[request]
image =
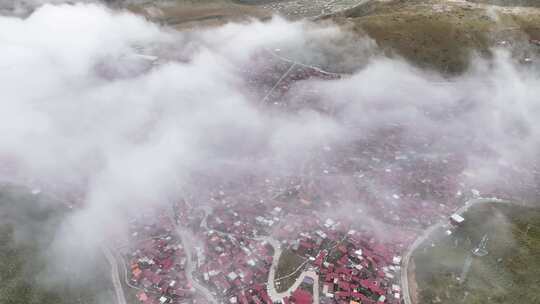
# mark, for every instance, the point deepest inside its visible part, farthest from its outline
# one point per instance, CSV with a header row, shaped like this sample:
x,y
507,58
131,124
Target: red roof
x,y
156,279
371,285
344,270
344,285
343,261
301,296
320,258
331,276
343,294
142,296
265,297
242,298
167,263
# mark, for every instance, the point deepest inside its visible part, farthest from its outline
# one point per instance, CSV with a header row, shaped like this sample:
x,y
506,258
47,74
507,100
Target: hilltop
x,y
444,34
435,34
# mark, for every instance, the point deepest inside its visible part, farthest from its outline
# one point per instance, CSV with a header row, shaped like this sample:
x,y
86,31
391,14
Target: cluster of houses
x,y
235,270
317,214
236,259
274,76
233,257
353,266
156,262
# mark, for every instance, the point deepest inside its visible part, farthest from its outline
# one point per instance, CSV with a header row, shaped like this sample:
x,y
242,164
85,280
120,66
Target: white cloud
x,y
79,110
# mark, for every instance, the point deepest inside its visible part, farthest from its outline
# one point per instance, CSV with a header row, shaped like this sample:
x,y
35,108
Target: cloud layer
x,y
86,109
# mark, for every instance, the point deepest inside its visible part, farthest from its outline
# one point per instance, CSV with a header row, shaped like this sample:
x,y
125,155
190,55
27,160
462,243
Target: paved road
x,y
297,63
120,297
276,296
427,233
120,258
188,248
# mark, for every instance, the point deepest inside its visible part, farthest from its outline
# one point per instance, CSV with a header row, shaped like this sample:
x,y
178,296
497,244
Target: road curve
x,y
425,235
188,248
119,291
278,296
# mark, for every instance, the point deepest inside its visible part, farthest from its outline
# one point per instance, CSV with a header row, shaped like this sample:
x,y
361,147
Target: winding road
x,y
188,248
276,296
119,291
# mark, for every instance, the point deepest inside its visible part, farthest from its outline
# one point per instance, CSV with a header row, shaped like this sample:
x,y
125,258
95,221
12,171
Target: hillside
x,y
505,271
444,34
531,3
437,34
27,226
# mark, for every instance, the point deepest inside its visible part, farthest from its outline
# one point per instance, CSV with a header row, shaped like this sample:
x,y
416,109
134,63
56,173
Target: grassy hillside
x,y
436,34
183,14
440,34
533,3
448,273
27,225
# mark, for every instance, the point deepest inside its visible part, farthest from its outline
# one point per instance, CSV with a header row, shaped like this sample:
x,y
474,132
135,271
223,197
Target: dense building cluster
x,y
347,213
353,266
156,262
234,257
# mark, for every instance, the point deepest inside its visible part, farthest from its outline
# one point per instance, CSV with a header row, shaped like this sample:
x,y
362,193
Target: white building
x,y
457,219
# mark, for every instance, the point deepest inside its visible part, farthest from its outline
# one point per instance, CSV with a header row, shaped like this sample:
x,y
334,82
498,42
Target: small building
x,y
457,219
142,296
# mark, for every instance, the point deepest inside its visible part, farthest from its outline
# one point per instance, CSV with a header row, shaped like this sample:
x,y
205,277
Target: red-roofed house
x,y
301,296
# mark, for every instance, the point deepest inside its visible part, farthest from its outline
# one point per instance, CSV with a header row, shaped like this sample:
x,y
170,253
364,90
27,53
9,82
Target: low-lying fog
x,y
87,111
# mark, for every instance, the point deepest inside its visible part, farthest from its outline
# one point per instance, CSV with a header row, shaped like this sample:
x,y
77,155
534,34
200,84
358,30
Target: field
x,y
27,226
447,271
288,262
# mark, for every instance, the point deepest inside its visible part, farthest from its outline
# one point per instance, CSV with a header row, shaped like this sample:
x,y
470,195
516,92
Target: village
x,y
333,231
235,233
242,230
345,216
